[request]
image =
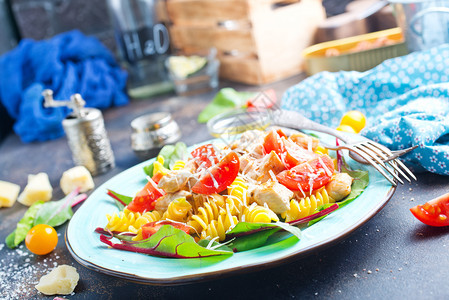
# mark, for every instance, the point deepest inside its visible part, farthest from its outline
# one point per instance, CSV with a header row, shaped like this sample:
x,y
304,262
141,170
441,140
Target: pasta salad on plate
x,y
222,198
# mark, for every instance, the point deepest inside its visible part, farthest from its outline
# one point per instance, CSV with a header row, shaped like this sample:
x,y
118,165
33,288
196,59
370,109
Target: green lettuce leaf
x,y
171,154
23,226
225,100
247,236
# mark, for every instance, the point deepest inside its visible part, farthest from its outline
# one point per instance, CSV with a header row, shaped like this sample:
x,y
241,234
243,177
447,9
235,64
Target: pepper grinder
x,y
86,134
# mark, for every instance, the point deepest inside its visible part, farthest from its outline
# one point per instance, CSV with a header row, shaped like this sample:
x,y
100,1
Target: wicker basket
x,y
317,61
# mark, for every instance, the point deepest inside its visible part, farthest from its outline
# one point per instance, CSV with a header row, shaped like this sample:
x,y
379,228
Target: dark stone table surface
x,y
391,256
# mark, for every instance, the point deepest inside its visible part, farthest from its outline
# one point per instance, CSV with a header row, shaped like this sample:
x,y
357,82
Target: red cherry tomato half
x,y
218,177
433,213
264,100
290,153
151,228
312,174
145,200
205,156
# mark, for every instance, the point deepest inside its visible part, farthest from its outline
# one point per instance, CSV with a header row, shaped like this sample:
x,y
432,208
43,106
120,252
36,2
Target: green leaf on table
x,y
168,241
55,213
225,100
171,154
247,236
23,226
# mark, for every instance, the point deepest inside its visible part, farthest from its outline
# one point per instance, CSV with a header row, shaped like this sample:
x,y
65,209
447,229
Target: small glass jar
x,y
151,132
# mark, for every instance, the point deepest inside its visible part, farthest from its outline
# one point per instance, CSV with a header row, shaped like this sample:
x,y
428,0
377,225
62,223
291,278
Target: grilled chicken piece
x,y
163,202
305,141
251,142
247,165
339,187
174,181
190,166
274,194
270,162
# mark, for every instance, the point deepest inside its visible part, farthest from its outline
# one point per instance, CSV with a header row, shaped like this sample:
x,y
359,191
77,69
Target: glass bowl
x,y
237,121
200,81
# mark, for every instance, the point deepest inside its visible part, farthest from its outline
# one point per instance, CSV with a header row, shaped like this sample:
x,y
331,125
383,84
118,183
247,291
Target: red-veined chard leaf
x,y
168,241
123,236
120,200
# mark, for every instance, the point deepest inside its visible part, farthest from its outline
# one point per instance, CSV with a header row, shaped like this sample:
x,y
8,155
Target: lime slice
x,y
183,66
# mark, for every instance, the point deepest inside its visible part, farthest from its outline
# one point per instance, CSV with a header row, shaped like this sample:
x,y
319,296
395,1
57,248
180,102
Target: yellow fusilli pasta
x,y
128,221
179,164
209,211
258,214
177,210
306,206
237,196
218,228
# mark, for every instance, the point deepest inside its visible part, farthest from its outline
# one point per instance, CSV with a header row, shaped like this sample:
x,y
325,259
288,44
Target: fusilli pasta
x,y
306,206
177,210
237,196
218,228
258,214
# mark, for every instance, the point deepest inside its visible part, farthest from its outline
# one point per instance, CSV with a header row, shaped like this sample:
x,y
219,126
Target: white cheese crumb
x,y
61,280
38,188
75,177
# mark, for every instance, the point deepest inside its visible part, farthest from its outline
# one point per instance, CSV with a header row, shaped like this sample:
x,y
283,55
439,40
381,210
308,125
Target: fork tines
x,y
378,156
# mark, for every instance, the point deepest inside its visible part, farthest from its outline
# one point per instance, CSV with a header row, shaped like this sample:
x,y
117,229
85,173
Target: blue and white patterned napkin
x,y
405,99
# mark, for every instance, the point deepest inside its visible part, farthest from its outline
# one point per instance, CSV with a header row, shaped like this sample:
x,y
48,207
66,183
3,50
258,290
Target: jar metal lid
x,y
153,131
151,122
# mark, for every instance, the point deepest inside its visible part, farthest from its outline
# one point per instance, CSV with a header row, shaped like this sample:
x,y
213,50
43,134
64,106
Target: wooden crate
x,y
258,41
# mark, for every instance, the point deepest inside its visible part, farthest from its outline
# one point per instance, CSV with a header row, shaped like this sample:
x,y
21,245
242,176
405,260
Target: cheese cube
x,y
76,177
61,281
8,193
38,188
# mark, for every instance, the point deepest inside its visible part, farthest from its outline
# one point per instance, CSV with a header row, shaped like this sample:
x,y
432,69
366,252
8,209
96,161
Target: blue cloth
x,y
68,63
405,99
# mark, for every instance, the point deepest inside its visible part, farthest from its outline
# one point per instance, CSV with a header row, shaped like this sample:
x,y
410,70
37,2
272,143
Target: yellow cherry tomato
x,y
41,239
355,119
321,150
346,128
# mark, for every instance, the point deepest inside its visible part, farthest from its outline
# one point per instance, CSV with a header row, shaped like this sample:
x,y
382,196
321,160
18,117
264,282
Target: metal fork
x,y
367,150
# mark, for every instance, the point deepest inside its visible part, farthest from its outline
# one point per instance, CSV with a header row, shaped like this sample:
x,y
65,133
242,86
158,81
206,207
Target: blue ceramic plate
x,y
85,246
